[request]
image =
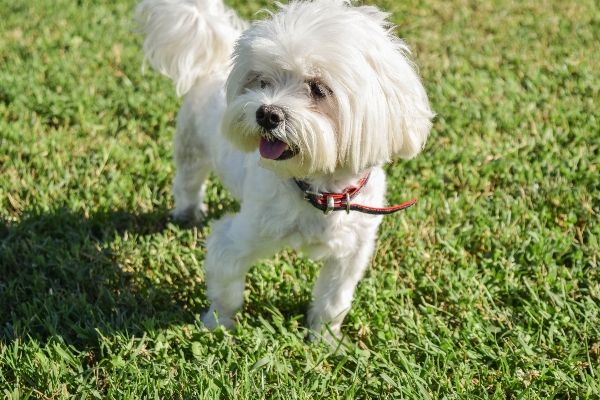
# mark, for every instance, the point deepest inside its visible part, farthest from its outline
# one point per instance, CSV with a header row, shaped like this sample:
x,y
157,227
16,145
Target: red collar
x,y
328,202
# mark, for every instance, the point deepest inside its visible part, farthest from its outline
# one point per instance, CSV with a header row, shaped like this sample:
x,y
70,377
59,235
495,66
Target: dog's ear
x,y
408,111
392,117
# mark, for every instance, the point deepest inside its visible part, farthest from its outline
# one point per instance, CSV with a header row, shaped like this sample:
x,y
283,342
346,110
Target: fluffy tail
x,y
187,40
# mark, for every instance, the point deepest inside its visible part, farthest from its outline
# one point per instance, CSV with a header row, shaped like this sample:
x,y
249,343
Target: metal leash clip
x,y
330,205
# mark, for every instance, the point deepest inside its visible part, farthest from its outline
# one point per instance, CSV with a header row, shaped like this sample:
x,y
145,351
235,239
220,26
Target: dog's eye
x,y
264,84
319,90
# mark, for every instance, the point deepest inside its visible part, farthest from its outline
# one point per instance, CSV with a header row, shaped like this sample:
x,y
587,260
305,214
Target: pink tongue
x,y
271,149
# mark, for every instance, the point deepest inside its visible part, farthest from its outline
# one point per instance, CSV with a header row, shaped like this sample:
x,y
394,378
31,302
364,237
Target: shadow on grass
x,y
68,275
71,276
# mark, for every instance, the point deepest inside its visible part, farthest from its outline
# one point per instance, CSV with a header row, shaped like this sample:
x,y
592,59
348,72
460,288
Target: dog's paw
x,y
190,216
338,343
334,337
211,321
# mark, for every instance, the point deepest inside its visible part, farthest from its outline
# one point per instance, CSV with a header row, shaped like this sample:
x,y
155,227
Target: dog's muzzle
x,y
269,117
272,118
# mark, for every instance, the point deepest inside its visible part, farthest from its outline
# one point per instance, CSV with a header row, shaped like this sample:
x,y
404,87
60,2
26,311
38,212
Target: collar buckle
x,y
328,202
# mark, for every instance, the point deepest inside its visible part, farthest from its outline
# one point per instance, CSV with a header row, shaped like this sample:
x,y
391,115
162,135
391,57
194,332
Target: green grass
x,y
489,288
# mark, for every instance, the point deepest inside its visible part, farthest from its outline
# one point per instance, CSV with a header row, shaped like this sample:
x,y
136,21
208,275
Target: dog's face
x,y
324,87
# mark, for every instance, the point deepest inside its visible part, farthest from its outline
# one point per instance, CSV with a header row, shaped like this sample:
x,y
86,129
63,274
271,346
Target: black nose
x,y
269,117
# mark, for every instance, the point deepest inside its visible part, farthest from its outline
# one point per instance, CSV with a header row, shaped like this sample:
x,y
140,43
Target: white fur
x,y
375,110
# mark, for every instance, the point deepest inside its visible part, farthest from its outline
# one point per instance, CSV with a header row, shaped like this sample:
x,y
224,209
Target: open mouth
x,y
275,149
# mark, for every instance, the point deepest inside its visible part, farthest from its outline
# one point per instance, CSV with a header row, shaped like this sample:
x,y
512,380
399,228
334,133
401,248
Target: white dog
x,y
302,106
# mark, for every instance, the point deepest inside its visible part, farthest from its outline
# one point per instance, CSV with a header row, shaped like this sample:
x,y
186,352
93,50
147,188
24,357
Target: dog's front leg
x,y
232,248
334,290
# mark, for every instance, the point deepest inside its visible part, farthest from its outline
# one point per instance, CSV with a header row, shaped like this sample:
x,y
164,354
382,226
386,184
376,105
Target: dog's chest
x,y
322,235
278,211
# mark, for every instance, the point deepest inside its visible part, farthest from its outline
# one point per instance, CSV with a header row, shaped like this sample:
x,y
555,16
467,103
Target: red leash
x,y
328,202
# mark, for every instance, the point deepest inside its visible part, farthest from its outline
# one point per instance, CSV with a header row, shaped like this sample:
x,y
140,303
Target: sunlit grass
x,y
488,288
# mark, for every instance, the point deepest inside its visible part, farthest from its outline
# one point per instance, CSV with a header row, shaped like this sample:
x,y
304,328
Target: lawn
x,y
489,288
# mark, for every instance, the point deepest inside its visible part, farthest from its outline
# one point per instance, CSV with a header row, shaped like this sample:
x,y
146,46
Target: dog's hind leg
x,y
193,167
189,189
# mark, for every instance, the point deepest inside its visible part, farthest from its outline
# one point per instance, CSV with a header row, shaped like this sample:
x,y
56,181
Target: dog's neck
x,y
336,182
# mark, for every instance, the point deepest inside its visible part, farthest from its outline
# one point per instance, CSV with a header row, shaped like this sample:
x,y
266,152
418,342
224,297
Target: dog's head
x,y
323,86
